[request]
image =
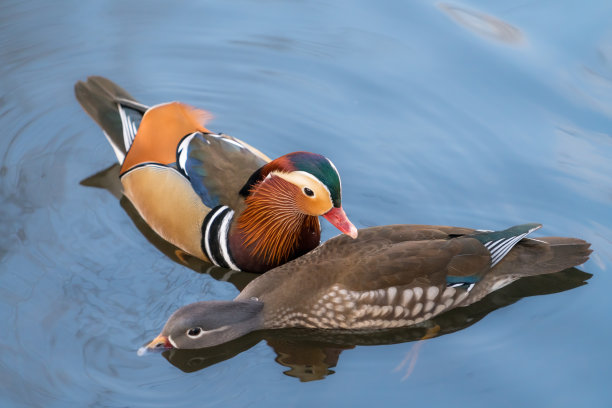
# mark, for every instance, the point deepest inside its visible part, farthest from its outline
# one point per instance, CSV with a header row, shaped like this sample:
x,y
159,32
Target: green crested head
x,y
320,167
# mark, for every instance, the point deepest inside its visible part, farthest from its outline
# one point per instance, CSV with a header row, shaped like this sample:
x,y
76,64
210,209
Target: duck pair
x,y
223,201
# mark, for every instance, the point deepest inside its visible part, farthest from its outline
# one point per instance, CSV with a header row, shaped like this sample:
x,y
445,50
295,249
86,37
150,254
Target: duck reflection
x,y
311,354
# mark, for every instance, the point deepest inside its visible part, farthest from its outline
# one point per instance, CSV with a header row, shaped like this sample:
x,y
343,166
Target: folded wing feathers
x,y
500,247
130,121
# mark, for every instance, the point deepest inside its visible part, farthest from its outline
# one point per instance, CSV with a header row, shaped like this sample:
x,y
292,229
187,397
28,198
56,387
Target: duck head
x,y
207,324
283,200
308,182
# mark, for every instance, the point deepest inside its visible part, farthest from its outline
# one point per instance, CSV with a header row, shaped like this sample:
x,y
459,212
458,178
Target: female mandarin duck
x,y
391,276
212,195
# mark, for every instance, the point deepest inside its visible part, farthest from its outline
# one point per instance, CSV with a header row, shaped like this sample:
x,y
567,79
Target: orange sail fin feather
x,y
174,120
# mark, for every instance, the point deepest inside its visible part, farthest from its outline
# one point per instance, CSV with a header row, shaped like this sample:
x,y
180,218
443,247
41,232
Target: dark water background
x,y
469,113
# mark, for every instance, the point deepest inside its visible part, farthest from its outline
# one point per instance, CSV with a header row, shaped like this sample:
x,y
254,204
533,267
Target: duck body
x,y
210,194
391,276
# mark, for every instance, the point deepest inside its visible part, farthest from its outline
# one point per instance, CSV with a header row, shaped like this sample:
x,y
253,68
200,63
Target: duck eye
x,y
194,332
308,192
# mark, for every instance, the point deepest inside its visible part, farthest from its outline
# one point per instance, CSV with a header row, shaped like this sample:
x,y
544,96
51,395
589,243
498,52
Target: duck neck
x,y
241,317
272,230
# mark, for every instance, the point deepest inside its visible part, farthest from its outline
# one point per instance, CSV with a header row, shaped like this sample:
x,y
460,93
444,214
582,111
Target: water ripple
x,y
419,135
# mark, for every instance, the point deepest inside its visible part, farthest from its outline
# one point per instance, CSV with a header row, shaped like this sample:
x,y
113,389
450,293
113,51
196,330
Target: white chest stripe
x,y
222,238
216,228
207,233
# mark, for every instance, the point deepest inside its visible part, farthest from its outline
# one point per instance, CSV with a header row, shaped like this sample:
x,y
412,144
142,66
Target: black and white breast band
x,y
214,236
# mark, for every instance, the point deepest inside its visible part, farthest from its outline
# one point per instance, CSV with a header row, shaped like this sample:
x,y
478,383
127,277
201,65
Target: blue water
x,y
468,113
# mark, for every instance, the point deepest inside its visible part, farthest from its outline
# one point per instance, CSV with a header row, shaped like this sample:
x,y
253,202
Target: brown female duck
x,y
212,195
391,276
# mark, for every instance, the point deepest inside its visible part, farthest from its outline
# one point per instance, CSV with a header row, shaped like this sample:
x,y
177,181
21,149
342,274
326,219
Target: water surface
x,y
460,113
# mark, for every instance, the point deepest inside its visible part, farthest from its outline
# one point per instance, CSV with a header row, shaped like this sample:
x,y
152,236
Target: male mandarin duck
x,y
389,277
212,195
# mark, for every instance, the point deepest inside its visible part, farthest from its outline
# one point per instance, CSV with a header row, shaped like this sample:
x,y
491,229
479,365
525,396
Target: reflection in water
x,y
311,354
306,359
483,24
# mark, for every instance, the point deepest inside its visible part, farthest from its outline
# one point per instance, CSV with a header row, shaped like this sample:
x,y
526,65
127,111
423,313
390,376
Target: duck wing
x,y
218,166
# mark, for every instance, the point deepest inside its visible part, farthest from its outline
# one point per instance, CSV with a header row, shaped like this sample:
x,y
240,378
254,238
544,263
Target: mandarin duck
x,y
312,350
391,276
209,194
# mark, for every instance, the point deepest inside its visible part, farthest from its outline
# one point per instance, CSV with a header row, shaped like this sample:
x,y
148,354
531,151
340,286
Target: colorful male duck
x,y
212,195
391,276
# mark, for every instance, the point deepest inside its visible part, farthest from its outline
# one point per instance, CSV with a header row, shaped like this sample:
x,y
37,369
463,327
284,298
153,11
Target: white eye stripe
x,y
202,331
293,177
315,178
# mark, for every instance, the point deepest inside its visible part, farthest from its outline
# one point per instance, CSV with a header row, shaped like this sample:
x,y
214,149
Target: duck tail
x,y
115,110
545,255
565,253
